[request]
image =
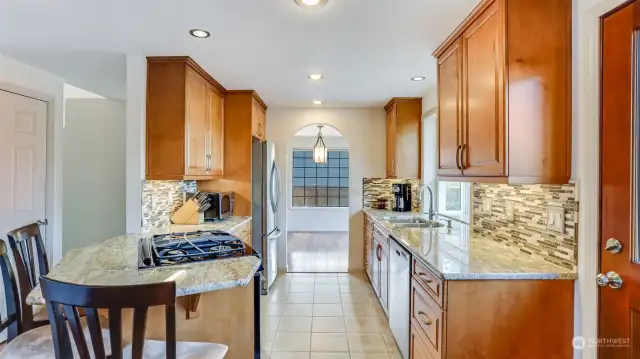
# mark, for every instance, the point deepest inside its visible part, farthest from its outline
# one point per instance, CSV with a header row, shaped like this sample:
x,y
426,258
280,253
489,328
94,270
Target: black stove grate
x,y
177,248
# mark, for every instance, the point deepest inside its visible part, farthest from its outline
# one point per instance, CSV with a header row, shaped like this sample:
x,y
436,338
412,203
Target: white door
x,y
23,161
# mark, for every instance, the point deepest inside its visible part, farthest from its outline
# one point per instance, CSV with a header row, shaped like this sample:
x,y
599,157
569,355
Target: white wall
x,y
307,219
94,170
27,80
135,139
364,129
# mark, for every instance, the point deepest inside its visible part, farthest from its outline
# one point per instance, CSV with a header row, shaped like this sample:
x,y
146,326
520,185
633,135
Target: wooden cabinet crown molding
x,y
194,65
395,100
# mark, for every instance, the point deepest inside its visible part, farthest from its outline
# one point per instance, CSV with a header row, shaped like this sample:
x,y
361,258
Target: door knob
x,y
613,246
611,279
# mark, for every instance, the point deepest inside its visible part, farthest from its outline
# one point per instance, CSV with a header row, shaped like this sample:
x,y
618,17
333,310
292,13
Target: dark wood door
x,y
450,110
391,141
619,311
483,151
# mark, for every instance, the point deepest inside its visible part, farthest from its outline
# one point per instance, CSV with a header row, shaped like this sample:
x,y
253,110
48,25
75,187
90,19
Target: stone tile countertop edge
x,y
458,254
114,261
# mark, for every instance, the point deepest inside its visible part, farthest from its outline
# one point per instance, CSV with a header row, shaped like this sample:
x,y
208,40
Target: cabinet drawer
x,y
428,317
418,347
430,282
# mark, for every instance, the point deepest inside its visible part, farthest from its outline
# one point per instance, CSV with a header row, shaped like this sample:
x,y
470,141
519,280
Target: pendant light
x,y
320,149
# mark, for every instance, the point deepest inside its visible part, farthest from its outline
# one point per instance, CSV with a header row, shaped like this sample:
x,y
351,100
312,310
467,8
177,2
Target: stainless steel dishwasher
x,y
399,296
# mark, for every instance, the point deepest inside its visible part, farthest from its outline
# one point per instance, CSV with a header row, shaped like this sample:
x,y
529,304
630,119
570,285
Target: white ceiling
x,y
366,49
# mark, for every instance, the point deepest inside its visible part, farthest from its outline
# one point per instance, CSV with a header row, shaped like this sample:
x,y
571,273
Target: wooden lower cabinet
x,y
491,319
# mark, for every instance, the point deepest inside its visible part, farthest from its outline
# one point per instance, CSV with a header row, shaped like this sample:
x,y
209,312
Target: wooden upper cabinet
x,y
483,151
514,107
391,141
185,121
404,138
197,124
259,120
215,100
450,110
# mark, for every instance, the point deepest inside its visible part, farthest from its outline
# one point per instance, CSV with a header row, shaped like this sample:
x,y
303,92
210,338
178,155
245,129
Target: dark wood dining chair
x,y
11,323
23,241
35,343
64,300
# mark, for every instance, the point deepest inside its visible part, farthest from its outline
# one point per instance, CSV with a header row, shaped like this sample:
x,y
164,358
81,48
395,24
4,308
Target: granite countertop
x,y
114,261
458,254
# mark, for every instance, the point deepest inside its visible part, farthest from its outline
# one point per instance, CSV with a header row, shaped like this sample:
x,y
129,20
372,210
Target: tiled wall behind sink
x,y
373,188
168,197
529,230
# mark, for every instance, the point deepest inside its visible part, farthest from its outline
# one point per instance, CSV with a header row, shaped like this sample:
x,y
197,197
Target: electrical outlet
x,y
486,206
154,202
555,218
509,211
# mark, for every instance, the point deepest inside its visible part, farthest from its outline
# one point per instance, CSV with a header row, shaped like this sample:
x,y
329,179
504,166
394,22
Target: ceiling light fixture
x,y
199,33
320,149
418,78
316,77
311,2
317,102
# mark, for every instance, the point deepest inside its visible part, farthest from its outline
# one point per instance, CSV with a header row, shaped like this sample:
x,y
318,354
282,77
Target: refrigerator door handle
x,y
277,185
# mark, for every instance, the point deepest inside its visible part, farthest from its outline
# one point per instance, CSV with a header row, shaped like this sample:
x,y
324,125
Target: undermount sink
x,y
424,224
407,220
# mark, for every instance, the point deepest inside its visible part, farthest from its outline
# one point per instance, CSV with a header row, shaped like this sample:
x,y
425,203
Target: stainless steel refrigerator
x,y
266,189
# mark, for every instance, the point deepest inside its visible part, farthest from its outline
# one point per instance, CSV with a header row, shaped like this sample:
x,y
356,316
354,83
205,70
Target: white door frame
x,y
53,239
586,67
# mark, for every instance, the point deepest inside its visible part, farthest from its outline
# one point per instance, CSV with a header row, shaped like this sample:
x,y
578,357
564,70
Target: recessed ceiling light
x,y
311,2
316,102
417,78
199,33
316,77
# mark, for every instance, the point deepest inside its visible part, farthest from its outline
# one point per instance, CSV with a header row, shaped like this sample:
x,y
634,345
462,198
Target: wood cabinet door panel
x,y
216,132
449,110
196,125
391,141
375,267
408,143
483,151
384,278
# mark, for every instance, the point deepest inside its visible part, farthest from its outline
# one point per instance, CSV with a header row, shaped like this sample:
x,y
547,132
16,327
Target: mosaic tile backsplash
x,y
374,188
529,230
168,197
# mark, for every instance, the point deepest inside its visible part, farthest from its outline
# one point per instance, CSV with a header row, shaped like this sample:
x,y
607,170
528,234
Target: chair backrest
x,y
64,299
12,322
22,242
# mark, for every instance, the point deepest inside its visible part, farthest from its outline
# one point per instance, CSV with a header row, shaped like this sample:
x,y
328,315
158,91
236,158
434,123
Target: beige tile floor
x,y
316,252
324,316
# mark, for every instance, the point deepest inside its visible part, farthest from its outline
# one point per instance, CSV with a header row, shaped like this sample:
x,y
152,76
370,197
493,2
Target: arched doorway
x,y
318,203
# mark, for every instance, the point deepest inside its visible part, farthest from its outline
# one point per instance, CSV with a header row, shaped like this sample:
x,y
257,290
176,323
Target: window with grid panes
x,y
320,184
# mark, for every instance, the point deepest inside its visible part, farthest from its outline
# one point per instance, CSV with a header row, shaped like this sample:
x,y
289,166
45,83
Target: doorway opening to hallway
x,y
318,215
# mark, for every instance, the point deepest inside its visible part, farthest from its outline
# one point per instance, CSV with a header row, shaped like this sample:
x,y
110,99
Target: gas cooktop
x,y
179,248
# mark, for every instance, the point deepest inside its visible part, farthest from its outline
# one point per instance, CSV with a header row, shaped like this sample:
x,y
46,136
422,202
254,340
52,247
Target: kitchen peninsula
x,y
216,300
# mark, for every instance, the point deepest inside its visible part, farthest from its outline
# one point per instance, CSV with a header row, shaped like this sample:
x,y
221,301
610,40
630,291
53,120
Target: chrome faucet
x,y
431,212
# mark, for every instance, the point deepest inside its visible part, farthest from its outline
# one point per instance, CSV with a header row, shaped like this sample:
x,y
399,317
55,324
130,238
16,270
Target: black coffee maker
x,y
402,197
